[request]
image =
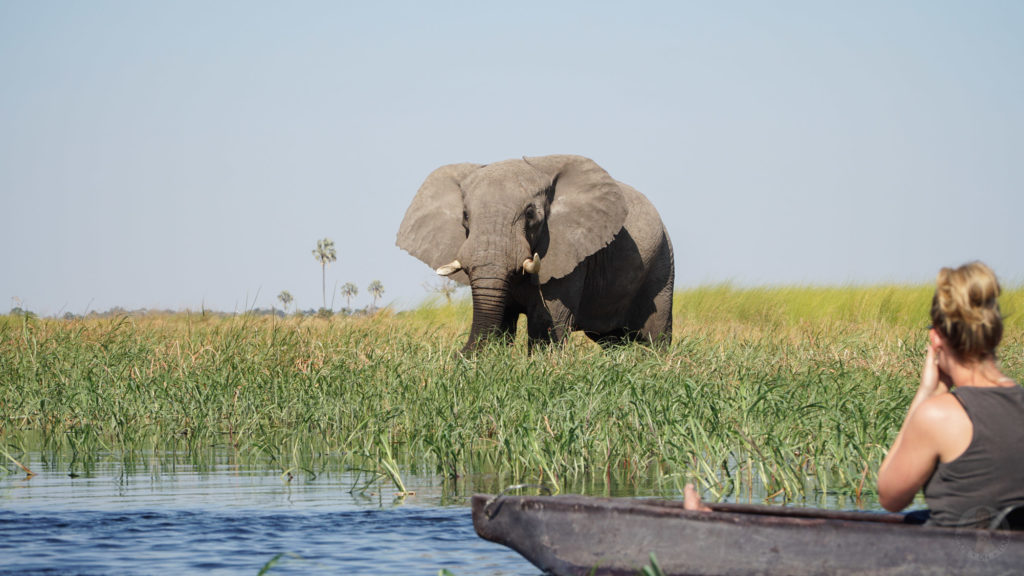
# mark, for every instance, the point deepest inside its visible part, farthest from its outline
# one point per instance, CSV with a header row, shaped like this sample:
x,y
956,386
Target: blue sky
x,y
187,154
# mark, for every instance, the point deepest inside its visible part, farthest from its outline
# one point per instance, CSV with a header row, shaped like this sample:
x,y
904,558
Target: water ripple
x,y
233,521
389,541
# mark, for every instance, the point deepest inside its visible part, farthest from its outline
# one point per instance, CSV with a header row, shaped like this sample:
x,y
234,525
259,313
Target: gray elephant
x,y
552,237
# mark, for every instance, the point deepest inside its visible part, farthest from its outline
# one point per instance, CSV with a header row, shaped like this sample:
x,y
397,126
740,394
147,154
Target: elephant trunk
x,y
490,298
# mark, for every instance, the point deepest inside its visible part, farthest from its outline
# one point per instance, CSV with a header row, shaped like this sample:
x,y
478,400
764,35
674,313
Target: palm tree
x,y
446,287
324,254
286,298
376,289
349,291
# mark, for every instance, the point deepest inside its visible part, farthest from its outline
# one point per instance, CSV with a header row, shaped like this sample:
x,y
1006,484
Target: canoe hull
x,y
576,535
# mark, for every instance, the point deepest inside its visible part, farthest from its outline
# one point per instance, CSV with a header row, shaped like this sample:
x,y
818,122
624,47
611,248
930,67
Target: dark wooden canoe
x,y
576,535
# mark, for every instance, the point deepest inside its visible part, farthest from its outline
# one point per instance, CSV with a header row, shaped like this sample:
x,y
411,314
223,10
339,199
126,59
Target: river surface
x,y
225,519
181,513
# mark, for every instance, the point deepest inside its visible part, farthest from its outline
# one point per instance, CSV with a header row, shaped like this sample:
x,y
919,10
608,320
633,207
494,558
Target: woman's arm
x,y
915,452
913,456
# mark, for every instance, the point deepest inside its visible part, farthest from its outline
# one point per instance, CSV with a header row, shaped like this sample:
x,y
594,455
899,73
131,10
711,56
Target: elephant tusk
x,y
532,265
449,269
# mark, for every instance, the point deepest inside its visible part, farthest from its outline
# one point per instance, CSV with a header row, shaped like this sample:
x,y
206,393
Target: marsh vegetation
x,y
785,394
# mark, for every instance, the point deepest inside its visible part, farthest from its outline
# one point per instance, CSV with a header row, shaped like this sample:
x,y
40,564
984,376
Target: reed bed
x,y
768,393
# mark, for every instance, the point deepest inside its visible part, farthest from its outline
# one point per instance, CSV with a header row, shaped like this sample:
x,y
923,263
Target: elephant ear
x,y
432,228
587,210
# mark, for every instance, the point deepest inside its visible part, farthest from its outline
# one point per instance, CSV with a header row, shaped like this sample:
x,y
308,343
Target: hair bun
x,y
966,309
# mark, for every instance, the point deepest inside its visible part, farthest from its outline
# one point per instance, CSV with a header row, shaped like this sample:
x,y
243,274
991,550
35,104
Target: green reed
x,y
789,393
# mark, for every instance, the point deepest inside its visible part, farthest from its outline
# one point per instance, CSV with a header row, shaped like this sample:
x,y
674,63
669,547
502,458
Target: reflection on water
x,y
166,516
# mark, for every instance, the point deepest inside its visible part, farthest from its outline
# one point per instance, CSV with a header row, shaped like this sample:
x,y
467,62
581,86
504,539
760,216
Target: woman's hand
x,y
931,384
933,380
692,501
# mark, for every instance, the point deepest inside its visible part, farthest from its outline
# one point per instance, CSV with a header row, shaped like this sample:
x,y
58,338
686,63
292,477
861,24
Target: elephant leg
x,y
650,317
610,339
549,323
537,341
509,324
539,329
657,329
557,301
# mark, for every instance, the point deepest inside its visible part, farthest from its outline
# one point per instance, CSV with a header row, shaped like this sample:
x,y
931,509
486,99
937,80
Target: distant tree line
x,y
324,253
348,291
118,311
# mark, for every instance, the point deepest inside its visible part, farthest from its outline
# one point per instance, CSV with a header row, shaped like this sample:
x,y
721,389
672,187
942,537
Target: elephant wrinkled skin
x,y
555,238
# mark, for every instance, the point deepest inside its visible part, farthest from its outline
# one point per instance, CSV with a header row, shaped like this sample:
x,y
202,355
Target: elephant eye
x,y
530,213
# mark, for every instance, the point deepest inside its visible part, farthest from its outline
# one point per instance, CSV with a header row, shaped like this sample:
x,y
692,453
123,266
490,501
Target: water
x,y
155,518
176,512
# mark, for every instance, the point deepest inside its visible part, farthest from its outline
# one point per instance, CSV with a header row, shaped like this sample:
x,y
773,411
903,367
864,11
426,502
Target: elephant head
x,y
490,226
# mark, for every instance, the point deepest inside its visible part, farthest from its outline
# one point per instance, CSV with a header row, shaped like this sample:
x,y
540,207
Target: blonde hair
x,y
965,310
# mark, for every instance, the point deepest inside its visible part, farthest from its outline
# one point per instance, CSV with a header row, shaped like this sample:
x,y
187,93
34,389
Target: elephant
x,y
553,237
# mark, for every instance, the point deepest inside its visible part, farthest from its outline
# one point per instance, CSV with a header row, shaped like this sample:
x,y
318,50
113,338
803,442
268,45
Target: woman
x,y
963,447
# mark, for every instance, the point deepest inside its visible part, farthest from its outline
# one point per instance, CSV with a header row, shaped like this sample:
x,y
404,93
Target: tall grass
x,y
791,392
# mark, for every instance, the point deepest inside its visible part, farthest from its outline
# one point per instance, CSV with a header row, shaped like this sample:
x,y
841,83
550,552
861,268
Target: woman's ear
x,y
587,210
432,228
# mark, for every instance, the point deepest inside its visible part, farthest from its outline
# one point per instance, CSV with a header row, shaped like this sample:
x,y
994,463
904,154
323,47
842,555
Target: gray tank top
x,y
989,475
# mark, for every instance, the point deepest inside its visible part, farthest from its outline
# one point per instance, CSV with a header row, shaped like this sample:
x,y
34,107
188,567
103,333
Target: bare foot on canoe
x,y
691,500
